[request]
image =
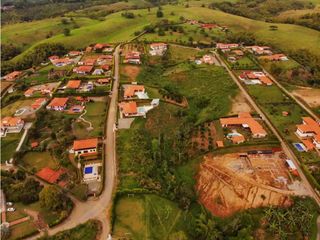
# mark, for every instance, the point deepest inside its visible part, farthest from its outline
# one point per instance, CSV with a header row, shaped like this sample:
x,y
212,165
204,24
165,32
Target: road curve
x,y
98,208
284,145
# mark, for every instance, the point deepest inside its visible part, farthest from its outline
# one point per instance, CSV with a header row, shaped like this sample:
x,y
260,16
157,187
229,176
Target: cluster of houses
x,y
44,89
309,133
246,121
72,105
255,77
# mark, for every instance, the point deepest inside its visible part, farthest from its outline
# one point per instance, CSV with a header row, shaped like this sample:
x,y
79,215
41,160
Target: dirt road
x,y
284,145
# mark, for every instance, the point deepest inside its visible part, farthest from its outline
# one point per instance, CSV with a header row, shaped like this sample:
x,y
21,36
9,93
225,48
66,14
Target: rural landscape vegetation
x,y
171,119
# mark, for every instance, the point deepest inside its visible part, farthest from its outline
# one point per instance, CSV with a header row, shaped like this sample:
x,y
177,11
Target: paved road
x,y
99,207
284,145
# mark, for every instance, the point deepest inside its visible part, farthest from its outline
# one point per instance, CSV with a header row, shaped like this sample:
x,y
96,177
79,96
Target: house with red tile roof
x,y
309,130
208,25
90,62
275,57
226,46
61,62
259,50
83,70
266,80
12,76
158,49
253,77
52,58
38,103
132,57
73,84
85,146
49,175
128,109
11,125
131,90
103,81
101,46
246,121
29,92
74,53
58,104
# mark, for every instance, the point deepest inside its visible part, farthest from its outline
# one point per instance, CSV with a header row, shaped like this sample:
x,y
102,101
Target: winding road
x,y
99,208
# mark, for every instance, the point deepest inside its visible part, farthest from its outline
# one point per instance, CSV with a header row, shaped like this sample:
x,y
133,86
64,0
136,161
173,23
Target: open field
x,y
311,96
147,217
239,104
229,183
112,29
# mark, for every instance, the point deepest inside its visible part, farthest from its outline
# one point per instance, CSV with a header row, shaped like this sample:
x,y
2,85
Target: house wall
x,y
82,151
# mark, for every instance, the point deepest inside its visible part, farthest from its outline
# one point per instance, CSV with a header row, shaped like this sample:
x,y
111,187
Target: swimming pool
x,y
88,170
299,146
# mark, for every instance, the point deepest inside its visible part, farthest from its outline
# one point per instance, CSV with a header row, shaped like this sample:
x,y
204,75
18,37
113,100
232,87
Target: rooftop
x,y
85,144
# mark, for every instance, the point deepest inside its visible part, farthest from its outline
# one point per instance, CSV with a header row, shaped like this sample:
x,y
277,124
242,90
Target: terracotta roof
x,y
128,107
13,75
85,69
38,103
53,57
74,84
308,144
90,61
29,92
34,144
50,175
157,44
129,91
133,55
237,139
244,119
227,45
74,53
103,80
11,121
58,102
101,45
310,126
85,144
105,67
219,143
266,80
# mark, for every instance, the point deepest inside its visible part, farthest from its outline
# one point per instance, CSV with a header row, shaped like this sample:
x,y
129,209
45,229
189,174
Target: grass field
x,y
10,109
9,145
116,28
96,113
148,217
21,230
39,160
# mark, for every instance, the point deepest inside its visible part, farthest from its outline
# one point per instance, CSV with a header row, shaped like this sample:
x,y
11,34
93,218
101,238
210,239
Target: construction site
x,y
235,181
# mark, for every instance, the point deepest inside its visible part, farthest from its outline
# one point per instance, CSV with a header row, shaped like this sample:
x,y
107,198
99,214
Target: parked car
x,y
11,209
9,204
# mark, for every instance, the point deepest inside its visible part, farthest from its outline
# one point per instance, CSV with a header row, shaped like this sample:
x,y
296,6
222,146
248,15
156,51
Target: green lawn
x,y
96,114
148,217
39,160
10,109
9,145
22,230
116,28
12,216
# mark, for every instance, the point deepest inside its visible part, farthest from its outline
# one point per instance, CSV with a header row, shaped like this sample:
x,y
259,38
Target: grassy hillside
x,y
116,28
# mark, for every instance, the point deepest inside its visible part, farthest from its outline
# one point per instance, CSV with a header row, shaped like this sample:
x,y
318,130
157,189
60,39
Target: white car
x,y
11,209
9,204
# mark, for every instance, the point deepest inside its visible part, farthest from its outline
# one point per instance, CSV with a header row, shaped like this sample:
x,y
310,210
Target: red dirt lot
x,y
230,183
131,71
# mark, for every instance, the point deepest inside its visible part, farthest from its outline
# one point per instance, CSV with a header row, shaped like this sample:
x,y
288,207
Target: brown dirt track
x,y
228,183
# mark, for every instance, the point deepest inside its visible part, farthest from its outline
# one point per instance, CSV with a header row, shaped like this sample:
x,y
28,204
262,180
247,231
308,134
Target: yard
x,y
39,160
9,145
10,109
96,115
22,230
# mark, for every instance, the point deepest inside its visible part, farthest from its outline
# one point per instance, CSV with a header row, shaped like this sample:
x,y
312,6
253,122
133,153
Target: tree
x,y
66,32
64,21
159,13
52,198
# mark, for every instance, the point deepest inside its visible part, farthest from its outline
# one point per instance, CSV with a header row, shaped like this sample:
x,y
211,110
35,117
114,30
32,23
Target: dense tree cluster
x,y
18,188
33,57
9,51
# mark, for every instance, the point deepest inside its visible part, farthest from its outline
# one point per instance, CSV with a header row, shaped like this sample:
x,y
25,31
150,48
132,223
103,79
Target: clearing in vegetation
x,y
233,182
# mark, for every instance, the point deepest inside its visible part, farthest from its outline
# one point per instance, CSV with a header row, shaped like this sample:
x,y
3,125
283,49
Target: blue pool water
x,y
299,147
88,170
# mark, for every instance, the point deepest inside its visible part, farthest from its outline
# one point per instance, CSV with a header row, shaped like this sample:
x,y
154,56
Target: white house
x,y
85,146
